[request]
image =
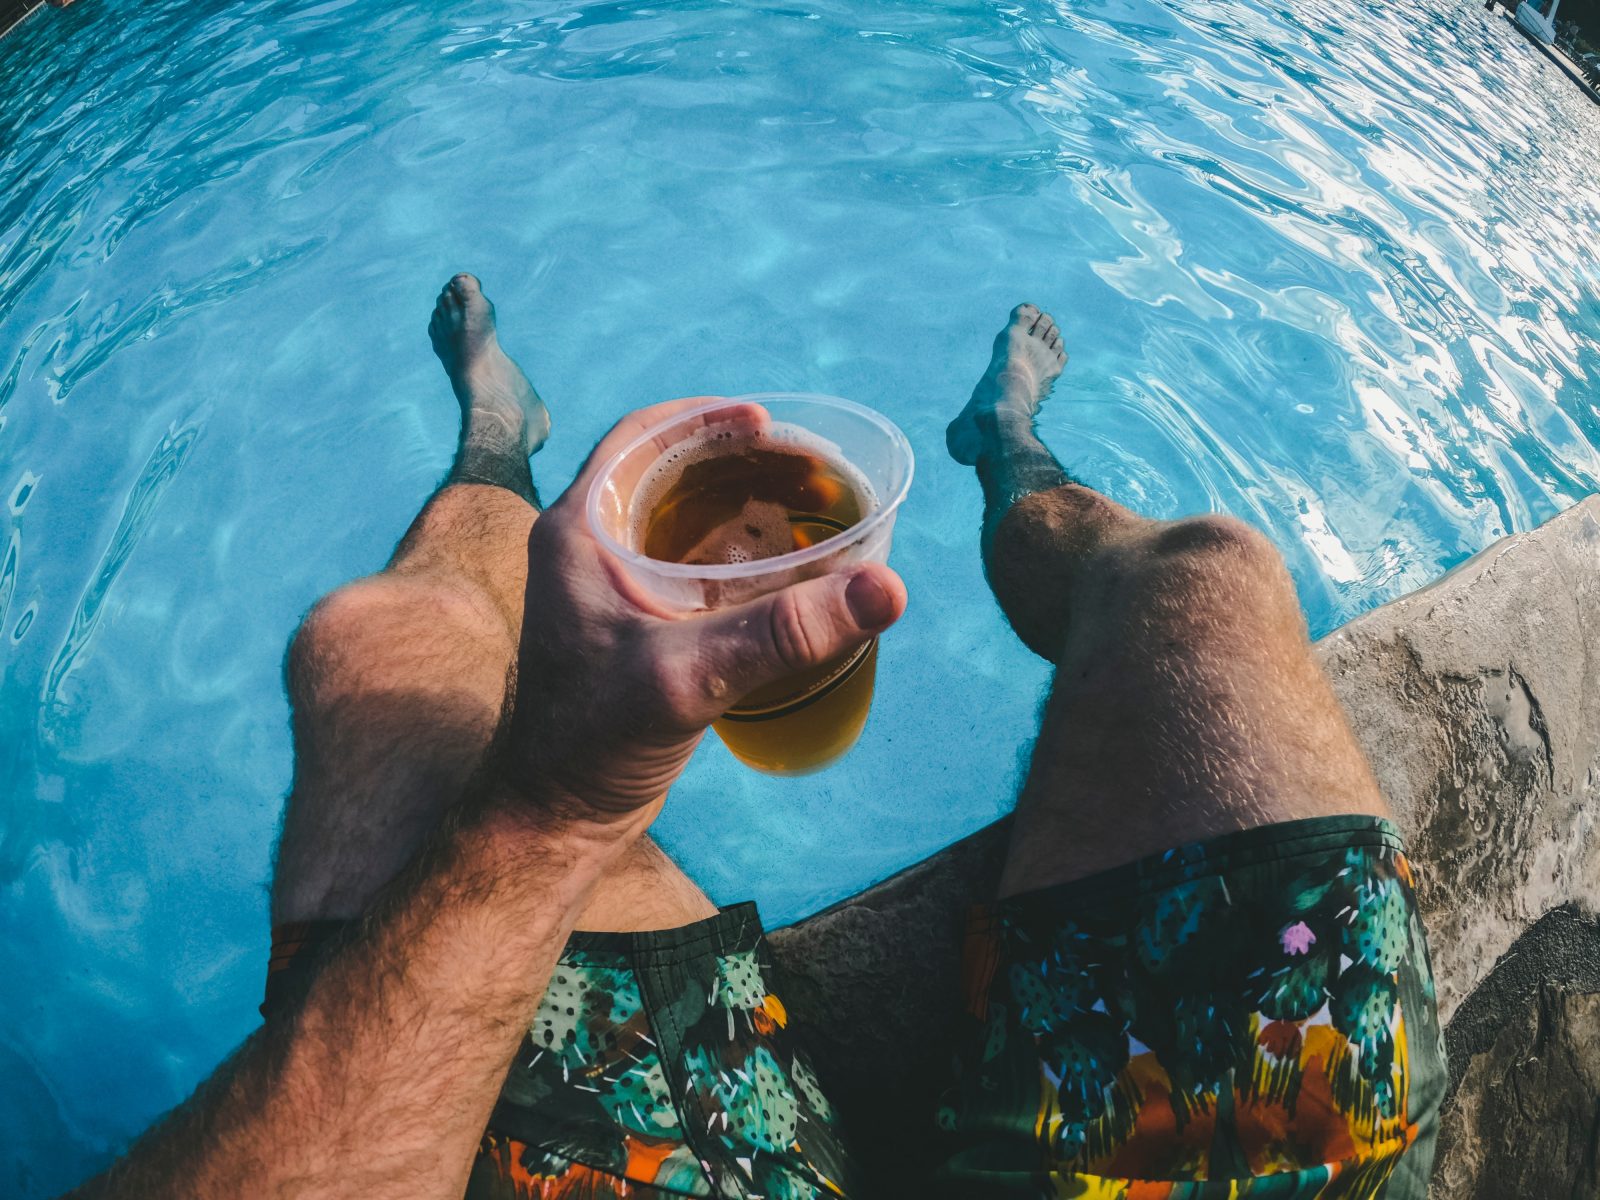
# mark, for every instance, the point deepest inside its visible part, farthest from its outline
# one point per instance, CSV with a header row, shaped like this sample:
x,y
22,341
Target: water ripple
x,y
157,475
8,574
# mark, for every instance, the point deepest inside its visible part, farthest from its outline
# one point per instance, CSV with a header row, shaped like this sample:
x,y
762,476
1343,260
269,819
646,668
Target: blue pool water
x,y
1330,267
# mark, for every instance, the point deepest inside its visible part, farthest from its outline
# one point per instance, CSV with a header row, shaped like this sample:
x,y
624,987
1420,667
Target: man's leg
x,y
1232,984
396,682
1186,701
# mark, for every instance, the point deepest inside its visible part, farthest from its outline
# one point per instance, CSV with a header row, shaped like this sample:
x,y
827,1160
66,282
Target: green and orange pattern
x,y
658,1065
1248,1018
662,1065
1252,1017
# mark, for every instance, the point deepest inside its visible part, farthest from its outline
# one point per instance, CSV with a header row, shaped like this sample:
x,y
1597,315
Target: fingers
x,y
734,651
636,422
751,416
630,427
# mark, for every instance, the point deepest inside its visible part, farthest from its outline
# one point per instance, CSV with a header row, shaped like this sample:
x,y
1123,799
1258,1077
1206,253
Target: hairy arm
x,y
385,1075
389,1068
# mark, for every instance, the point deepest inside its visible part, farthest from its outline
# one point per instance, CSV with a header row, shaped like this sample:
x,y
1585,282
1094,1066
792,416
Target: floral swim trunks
x,y
658,1065
1249,1017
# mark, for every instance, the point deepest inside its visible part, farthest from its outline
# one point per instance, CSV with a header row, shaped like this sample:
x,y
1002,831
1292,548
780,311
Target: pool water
x,y
1330,267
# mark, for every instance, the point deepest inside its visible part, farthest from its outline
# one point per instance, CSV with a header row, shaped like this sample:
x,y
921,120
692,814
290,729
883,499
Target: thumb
x,y
803,626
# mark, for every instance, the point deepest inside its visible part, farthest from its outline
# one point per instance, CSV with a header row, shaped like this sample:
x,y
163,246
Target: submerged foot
x,y
499,408
1027,358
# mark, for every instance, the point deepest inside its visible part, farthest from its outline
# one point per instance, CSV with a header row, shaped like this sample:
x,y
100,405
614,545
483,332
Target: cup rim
x,y
760,566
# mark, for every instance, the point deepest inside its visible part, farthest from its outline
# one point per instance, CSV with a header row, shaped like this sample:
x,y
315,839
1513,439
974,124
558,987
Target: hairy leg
x,y
1186,701
396,682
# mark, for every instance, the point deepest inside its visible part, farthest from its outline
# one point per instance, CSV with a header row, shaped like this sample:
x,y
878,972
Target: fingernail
x,y
870,602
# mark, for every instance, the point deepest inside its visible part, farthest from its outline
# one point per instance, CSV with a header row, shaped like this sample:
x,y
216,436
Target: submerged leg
x,y
1186,701
396,682
503,421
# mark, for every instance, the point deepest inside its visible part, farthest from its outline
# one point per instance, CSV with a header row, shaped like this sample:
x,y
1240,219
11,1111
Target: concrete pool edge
x,y
1472,698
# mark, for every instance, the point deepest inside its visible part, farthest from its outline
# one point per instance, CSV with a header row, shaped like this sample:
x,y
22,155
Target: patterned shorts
x,y
659,1065
1250,1017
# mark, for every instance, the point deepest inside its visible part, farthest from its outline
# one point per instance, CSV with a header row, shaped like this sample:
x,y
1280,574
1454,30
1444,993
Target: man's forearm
x,y
390,1067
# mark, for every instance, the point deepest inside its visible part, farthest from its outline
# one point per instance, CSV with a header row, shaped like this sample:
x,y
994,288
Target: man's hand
x,y
400,1046
614,690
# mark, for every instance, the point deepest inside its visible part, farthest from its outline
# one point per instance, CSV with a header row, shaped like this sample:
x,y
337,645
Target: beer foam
x,y
725,546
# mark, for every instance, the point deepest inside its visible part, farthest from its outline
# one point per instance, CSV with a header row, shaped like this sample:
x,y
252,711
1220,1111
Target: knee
x,y
1218,542
337,624
1214,556
362,636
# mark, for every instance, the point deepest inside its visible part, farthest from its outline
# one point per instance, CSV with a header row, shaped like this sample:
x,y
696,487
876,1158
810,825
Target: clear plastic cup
x,y
806,722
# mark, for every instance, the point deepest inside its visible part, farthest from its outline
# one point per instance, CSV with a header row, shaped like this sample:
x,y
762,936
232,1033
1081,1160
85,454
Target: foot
x,y
498,404
1027,358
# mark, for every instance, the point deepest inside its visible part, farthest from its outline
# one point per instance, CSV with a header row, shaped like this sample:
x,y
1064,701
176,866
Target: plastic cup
x,y
803,723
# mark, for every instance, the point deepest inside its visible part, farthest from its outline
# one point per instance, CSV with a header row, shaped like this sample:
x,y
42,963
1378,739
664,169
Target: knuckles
x,y
795,640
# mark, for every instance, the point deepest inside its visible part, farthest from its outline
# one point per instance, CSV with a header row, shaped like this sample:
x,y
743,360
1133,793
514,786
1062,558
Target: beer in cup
x,y
741,497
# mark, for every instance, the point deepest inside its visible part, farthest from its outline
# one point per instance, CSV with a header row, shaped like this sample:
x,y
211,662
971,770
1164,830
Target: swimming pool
x,y
1330,269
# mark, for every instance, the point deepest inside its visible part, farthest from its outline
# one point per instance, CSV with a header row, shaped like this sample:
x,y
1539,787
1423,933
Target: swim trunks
x,y
1249,1017
658,1065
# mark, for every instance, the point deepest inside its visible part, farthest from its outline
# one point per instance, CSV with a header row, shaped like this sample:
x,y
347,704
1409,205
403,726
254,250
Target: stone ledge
x,y
1523,1118
1473,698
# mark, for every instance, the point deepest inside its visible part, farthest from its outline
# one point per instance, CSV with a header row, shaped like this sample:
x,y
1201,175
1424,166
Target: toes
x,y
1025,314
1043,327
464,285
